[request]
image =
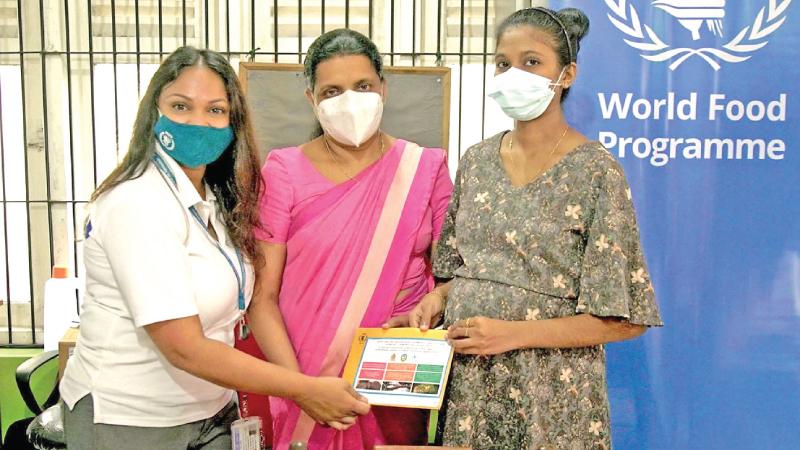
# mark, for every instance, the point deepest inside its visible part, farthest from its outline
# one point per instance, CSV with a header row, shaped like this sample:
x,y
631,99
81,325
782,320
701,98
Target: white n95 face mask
x,y
352,117
523,95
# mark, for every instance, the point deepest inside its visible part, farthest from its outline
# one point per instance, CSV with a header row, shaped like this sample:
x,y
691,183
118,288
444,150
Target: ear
x,y
310,98
384,91
570,74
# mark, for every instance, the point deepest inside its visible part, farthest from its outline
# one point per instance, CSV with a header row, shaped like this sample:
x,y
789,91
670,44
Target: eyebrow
x,y
216,100
531,52
325,87
179,95
525,53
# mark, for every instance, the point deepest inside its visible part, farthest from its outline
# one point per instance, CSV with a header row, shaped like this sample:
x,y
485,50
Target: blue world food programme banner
x,y
698,99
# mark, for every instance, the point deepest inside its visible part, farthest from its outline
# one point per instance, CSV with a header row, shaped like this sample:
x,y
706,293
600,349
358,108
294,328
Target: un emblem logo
x,y
167,141
692,14
697,16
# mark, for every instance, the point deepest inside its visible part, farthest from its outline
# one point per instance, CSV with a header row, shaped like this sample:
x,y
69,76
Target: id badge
x,y
244,329
246,434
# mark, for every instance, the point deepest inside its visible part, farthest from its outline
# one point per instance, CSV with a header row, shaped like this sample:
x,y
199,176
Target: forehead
x,y
343,70
197,82
524,38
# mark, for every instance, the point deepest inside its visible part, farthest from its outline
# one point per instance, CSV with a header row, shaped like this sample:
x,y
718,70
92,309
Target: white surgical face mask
x,y
352,117
523,95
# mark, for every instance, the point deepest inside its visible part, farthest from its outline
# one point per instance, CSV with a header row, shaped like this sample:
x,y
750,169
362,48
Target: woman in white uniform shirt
x,y
169,261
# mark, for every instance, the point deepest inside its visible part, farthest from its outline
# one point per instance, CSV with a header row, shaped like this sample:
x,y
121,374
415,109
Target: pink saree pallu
x,y
347,255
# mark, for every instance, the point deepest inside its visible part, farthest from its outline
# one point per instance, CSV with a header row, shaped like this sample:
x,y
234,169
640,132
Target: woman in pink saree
x,y
349,220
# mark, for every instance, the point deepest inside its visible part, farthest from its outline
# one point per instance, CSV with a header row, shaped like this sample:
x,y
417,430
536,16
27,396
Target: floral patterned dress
x,y
566,243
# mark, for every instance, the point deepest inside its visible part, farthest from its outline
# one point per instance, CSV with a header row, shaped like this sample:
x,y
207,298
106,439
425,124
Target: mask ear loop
x,y
566,35
558,81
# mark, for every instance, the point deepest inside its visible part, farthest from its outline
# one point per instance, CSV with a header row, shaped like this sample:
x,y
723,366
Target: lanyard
x,y
241,280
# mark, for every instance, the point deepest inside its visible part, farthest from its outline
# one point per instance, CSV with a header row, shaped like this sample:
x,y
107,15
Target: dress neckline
x,y
498,160
357,176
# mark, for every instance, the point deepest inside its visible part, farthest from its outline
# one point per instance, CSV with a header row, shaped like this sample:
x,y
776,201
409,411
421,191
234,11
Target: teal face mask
x,y
191,145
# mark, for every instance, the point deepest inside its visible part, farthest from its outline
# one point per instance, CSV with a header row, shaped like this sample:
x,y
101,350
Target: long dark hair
x,y
566,27
234,177
339,42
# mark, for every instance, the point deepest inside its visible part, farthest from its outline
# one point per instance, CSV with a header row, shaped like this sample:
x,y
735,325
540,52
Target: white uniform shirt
x,y
148,260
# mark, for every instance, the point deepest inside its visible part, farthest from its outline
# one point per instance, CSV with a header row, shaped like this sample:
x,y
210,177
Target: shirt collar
x,y
186,192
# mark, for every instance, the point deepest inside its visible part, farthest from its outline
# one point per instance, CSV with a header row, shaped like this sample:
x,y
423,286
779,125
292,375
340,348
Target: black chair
x,y
46,430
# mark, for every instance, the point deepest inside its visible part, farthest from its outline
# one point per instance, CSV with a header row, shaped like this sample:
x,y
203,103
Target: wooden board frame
x,y
246,69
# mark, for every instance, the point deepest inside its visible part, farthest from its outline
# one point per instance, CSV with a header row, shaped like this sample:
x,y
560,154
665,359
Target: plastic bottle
x,y
61,306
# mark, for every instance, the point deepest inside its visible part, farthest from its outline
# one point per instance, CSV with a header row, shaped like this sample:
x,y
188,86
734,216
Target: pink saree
x,y
348,254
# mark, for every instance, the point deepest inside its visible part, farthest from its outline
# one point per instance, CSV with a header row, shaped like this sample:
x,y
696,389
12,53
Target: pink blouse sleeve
x,y
276,201
442,190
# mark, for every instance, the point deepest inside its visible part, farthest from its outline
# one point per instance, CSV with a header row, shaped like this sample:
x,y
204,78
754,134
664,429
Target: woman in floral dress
x,y
542,249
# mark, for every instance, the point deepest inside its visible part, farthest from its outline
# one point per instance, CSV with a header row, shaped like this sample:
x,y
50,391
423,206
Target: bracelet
x,y
438,294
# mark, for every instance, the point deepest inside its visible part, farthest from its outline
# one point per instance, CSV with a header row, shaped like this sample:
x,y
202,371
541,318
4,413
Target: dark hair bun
x,y
575,21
